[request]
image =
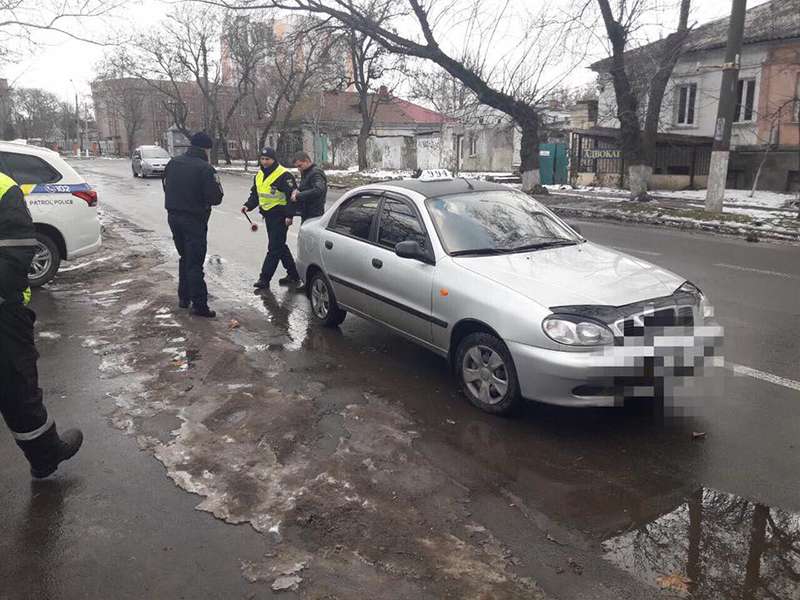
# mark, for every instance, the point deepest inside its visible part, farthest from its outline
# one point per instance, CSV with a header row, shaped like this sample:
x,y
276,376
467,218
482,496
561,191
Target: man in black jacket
x,y
191,188
273,185
313,188
20,396
309,199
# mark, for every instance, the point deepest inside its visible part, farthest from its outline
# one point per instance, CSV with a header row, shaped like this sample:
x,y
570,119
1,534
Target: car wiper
x,y
541,245
478,252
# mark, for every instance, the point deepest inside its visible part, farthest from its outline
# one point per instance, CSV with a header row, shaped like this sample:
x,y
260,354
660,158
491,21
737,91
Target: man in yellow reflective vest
x,y
272,187
20,396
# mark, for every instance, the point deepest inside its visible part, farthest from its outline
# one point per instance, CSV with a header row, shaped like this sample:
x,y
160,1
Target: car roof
x,y
432,189
27,149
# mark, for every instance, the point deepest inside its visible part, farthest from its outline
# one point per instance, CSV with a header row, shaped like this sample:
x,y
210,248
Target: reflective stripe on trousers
x,y
32,435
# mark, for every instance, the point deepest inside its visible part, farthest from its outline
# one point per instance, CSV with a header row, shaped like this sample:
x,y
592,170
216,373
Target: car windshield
x,y
496,222
154,153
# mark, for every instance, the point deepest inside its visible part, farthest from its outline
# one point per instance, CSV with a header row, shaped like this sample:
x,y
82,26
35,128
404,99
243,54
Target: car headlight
x,y
704,306
576,331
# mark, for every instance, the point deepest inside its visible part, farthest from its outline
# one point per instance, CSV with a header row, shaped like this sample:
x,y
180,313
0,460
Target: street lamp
x,y
77,120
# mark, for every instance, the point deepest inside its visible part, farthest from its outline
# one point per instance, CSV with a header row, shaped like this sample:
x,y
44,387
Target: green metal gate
x,y
553,163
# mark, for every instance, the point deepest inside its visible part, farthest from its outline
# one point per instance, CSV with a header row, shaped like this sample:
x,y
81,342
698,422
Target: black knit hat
x,y
268,152
201,140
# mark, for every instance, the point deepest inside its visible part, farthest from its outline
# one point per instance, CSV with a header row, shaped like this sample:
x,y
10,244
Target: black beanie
x,y
201,140
269,153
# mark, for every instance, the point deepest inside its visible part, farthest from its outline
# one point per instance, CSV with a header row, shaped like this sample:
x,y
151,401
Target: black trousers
x,y
20,395
277,250
190,234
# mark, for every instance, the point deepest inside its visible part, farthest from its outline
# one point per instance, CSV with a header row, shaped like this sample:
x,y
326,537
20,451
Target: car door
x,y
345,250
402,286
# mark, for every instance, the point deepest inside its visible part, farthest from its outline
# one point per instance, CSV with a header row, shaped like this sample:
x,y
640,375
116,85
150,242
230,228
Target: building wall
x,y
702,69
656,182
779,104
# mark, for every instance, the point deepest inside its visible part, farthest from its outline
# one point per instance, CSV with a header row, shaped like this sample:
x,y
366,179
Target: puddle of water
x,y
715,546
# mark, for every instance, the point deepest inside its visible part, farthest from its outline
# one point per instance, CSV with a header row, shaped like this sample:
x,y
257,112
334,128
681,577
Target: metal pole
x,y
78,137
720,152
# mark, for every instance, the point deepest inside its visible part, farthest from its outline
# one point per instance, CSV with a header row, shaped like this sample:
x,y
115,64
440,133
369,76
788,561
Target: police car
x,y
62,204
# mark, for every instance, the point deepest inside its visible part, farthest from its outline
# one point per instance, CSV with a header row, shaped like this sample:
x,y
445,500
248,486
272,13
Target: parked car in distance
x,y
517,300
149,161
62,204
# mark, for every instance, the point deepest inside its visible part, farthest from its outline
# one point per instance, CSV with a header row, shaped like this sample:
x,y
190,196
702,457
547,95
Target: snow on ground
x,y
735,197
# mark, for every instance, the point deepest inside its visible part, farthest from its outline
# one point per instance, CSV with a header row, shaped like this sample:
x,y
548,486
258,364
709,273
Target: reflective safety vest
x,y
268,196
6,183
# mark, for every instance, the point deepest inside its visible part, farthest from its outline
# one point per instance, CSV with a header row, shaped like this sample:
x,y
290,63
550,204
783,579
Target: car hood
x,y
583,274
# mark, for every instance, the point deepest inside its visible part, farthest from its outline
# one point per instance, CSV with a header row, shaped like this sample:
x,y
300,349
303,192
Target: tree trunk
x,y
529,156
363,138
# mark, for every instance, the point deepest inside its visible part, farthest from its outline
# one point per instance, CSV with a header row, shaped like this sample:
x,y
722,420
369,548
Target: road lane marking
x,y
764,376
637,251
753,270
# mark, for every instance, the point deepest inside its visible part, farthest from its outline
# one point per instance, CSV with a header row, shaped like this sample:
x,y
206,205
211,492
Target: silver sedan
x,y
517,300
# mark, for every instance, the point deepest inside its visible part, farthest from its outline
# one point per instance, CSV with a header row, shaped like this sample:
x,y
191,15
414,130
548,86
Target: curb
x,y
722,228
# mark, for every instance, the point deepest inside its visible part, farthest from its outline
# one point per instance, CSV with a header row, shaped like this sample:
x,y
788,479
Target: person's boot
x,y
261,284
289,280
300,288
48,450
203,311
183,303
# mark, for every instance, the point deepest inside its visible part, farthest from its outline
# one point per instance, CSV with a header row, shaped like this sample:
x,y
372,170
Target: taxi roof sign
x,y
435,175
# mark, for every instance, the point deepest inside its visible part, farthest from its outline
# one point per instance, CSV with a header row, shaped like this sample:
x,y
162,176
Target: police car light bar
x,y
435,175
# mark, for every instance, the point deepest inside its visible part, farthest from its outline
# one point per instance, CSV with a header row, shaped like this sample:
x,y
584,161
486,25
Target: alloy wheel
x,y
42,261
320,298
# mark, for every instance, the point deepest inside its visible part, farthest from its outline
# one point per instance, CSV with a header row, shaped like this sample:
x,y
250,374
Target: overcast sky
x,y
57,61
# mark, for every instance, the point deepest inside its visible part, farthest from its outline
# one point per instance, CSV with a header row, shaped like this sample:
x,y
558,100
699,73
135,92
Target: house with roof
x,y
326,125
766,129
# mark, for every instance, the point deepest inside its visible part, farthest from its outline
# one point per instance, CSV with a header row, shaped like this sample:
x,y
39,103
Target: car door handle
x,y
377,263
329,245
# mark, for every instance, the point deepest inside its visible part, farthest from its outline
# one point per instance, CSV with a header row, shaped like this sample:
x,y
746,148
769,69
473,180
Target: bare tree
x,y
370,63
304,60
21,19
124,99
639,147
35,113
510,57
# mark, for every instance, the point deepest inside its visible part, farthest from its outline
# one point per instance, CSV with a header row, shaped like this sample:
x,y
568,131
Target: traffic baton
x,y
253,226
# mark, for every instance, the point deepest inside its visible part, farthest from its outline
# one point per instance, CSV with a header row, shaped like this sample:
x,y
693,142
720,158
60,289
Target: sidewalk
x,y
767,215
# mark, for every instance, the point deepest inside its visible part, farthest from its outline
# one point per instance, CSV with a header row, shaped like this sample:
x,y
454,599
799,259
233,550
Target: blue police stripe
x,y
60,188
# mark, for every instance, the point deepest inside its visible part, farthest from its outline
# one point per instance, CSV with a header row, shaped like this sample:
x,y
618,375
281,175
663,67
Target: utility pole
x,y
721,150
78,125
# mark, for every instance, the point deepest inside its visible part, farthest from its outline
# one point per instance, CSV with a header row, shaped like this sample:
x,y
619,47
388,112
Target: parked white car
x,y
62,204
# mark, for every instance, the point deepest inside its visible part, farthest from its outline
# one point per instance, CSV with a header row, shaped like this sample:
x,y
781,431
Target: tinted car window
x,y
355,217
24,168
399,223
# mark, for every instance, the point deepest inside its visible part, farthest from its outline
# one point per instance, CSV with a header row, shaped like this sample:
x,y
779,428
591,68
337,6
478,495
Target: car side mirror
x,y
411,249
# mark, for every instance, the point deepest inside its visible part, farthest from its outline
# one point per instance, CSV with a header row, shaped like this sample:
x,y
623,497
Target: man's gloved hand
x,y
294,195
289,221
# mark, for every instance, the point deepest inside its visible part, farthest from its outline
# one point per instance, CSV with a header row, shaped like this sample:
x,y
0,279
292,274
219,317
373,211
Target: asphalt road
x,y
596,472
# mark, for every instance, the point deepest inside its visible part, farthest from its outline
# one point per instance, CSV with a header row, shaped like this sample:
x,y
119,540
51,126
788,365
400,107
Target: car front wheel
x,y
46,261
323,302
487,374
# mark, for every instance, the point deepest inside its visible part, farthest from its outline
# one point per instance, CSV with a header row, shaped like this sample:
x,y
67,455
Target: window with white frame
x,y
685,99
745,101
473,145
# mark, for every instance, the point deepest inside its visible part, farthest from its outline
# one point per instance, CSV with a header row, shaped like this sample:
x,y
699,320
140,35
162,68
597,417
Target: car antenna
x,y
469,185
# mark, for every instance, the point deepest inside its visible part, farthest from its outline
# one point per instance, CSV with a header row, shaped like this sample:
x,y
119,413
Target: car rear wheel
x,y
46,261
323,302
487,374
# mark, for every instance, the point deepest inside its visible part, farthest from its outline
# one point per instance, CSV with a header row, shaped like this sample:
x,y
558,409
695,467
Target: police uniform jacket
x,y
16,245
191,184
